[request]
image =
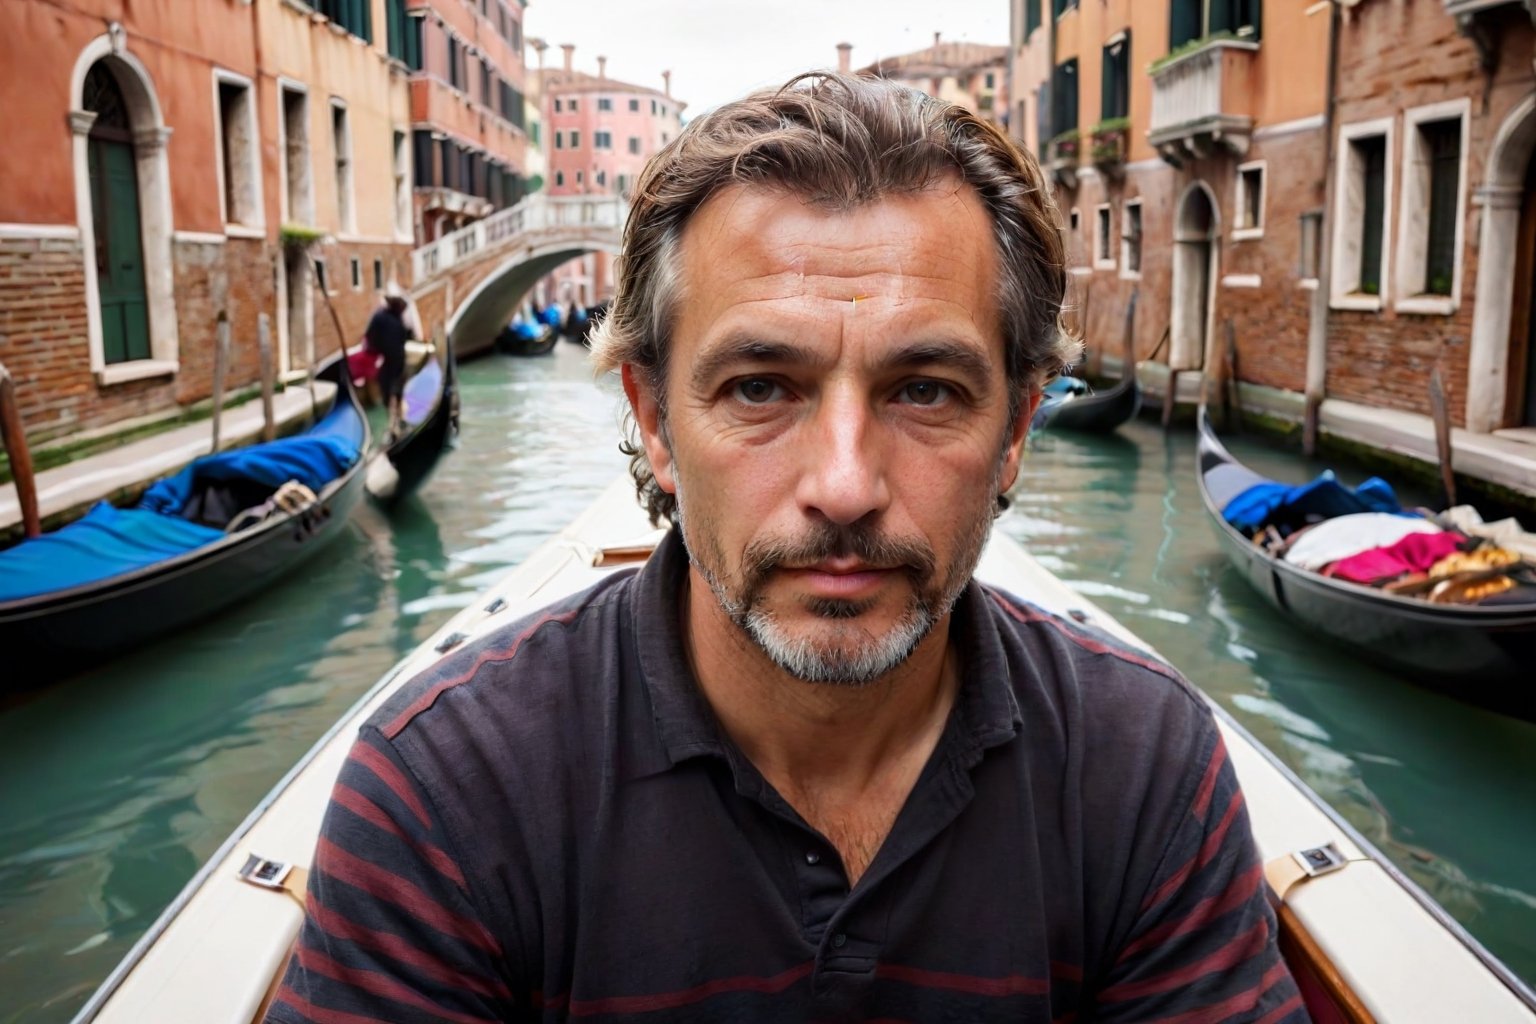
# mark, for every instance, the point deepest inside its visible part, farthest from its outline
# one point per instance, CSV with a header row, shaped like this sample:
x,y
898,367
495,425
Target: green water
x,y
117,785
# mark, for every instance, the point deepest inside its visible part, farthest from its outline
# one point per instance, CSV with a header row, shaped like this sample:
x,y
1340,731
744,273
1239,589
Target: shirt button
x,y
812,857
839,940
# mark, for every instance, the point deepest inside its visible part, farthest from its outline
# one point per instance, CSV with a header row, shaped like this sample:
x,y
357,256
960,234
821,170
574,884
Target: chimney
x,y
843,56
570,50
666,78
602,67
539,46
936,40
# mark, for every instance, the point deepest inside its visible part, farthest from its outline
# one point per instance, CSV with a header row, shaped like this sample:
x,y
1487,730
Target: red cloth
x,y
364,365
1416,552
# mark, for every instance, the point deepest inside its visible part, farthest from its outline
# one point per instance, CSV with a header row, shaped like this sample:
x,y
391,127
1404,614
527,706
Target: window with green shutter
x,y
1031,17
1372,154
1441,149
1115,94
1064,97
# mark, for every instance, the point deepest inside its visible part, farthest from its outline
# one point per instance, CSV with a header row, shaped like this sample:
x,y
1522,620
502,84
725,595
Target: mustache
x,y
829,540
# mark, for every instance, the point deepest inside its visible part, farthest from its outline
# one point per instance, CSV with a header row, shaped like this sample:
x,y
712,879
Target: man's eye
x,y
757,390
924,392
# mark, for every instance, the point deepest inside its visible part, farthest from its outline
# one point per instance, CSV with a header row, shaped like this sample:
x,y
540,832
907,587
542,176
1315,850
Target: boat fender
x,y
1286,872
275,874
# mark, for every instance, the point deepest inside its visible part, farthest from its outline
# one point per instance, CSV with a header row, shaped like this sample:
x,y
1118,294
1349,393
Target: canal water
x,y
115,786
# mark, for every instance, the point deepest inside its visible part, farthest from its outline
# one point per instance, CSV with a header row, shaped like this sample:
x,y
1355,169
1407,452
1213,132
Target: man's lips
x,y
840,577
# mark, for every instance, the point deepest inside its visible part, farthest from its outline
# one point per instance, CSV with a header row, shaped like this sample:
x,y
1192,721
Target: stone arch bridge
x,y
471,281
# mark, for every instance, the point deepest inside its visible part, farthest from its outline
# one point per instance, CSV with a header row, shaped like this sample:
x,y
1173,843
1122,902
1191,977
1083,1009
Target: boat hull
x,y
415,456
509,344
1094,414
1483,655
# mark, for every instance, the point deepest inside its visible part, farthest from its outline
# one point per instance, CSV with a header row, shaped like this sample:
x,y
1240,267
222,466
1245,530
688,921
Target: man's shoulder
x,y
516,675
1079,672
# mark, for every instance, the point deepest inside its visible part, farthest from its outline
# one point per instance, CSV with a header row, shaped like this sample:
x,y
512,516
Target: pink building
x,y
973,75
600,133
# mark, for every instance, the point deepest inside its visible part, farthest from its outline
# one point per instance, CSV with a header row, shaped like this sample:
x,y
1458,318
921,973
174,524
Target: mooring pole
x,y
21,457
220,361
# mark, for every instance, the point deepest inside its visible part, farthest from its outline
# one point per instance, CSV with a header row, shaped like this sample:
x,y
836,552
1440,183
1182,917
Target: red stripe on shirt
x,y
1011,985
1208,782
388,887
380,985
1239,949
369,811
1242,1002
1238,892
1207,853
1280,1012
672,1000
429,698
320,1014
342,928
389,774
1083,640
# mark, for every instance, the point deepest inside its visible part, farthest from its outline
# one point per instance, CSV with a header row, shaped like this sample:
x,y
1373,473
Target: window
x,y
602,140
1429,237
1310,259
1103,258
634,145
575,140
237,153
1189,20
533,132
634,106
356,16
991,80
1364,196
378,274
559,140
1074,221
602,178
571,105
1060,7
1031,17
357,274
320,275
623,184
485,82
578,177
402,34
421,154
1250,201
559,177
455,73
1115,101
341,147
653,108
557,104
1130,239
1064,98
604,103
298,186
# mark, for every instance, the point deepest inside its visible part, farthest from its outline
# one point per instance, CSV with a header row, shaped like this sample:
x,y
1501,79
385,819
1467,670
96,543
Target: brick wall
x,y
1269,322
1394,56
354,305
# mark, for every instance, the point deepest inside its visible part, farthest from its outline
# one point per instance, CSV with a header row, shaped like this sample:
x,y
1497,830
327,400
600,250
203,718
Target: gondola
x,y
431,418
221,529
1076,407
512,343
1365,941
1481,653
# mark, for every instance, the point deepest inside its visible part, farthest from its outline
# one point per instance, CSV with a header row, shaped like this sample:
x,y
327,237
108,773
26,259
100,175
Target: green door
x,y
119,251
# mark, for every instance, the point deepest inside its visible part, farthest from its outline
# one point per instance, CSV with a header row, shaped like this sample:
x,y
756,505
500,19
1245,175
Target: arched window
x,y
117,219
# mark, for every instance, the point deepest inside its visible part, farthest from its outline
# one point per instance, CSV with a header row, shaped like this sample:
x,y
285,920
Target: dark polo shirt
x,y
551,825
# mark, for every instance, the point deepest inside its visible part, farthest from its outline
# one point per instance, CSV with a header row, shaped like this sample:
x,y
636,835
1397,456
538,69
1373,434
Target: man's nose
x,y
843,476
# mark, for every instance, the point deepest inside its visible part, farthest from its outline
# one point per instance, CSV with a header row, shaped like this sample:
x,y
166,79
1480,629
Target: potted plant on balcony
x,y
1110,140
1063,156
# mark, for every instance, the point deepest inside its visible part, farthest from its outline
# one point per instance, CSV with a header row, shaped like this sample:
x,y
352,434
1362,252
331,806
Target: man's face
x,y
836,423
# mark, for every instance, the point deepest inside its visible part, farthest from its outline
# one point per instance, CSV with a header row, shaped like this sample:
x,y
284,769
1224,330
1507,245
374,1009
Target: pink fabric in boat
x,y
1416,552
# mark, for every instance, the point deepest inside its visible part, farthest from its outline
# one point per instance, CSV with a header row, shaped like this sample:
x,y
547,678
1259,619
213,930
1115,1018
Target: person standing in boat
x,y
801,766
388,331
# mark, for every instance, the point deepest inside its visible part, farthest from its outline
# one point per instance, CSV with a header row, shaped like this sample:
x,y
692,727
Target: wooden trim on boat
x,y
1302,953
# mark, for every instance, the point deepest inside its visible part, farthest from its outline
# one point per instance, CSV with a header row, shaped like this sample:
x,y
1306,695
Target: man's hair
x,y
837,141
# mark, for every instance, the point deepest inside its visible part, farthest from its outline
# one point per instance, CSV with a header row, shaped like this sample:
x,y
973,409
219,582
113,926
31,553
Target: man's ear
x,y
1018,431
647,413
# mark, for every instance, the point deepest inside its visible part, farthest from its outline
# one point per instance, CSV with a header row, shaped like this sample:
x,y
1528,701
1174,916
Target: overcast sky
x,y
718,50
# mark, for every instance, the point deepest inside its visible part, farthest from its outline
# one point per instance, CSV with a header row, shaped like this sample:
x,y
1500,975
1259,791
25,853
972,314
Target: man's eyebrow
x,y
954,354
745,348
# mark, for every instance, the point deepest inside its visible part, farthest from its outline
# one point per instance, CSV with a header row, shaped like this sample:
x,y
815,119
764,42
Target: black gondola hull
x,y
415,456
509,344
1095,414
1483,654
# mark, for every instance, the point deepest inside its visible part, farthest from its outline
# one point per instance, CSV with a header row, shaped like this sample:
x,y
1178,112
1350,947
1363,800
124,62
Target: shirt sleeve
x,y
1204,944
390,930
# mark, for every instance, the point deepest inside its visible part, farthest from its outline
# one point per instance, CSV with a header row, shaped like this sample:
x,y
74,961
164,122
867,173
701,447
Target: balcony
x,y
1483,34
1111,140
1061,158
1202,100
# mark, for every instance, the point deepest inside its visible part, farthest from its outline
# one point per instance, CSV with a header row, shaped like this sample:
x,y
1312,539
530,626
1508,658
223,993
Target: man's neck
x,y
819,739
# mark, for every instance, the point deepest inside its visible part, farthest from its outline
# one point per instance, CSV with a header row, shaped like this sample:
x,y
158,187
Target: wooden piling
x,y
15,438
220,367
264,349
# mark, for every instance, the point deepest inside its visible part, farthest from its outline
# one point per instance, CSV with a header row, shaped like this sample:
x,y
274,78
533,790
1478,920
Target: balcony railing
x,y
1203,99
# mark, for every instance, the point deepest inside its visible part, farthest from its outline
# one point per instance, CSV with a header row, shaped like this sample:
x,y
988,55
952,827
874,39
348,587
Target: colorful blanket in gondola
x,y
109,541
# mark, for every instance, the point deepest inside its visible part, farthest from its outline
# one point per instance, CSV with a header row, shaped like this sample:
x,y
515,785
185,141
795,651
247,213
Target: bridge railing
x,y
535,213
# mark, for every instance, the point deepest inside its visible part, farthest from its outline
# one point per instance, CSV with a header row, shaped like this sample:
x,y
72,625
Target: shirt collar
x,y
986,711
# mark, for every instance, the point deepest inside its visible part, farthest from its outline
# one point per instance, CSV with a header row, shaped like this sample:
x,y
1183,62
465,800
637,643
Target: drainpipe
x,y
1317,328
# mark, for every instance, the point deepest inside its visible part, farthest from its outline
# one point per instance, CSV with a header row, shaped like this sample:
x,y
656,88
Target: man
x,y
387,334
800,767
